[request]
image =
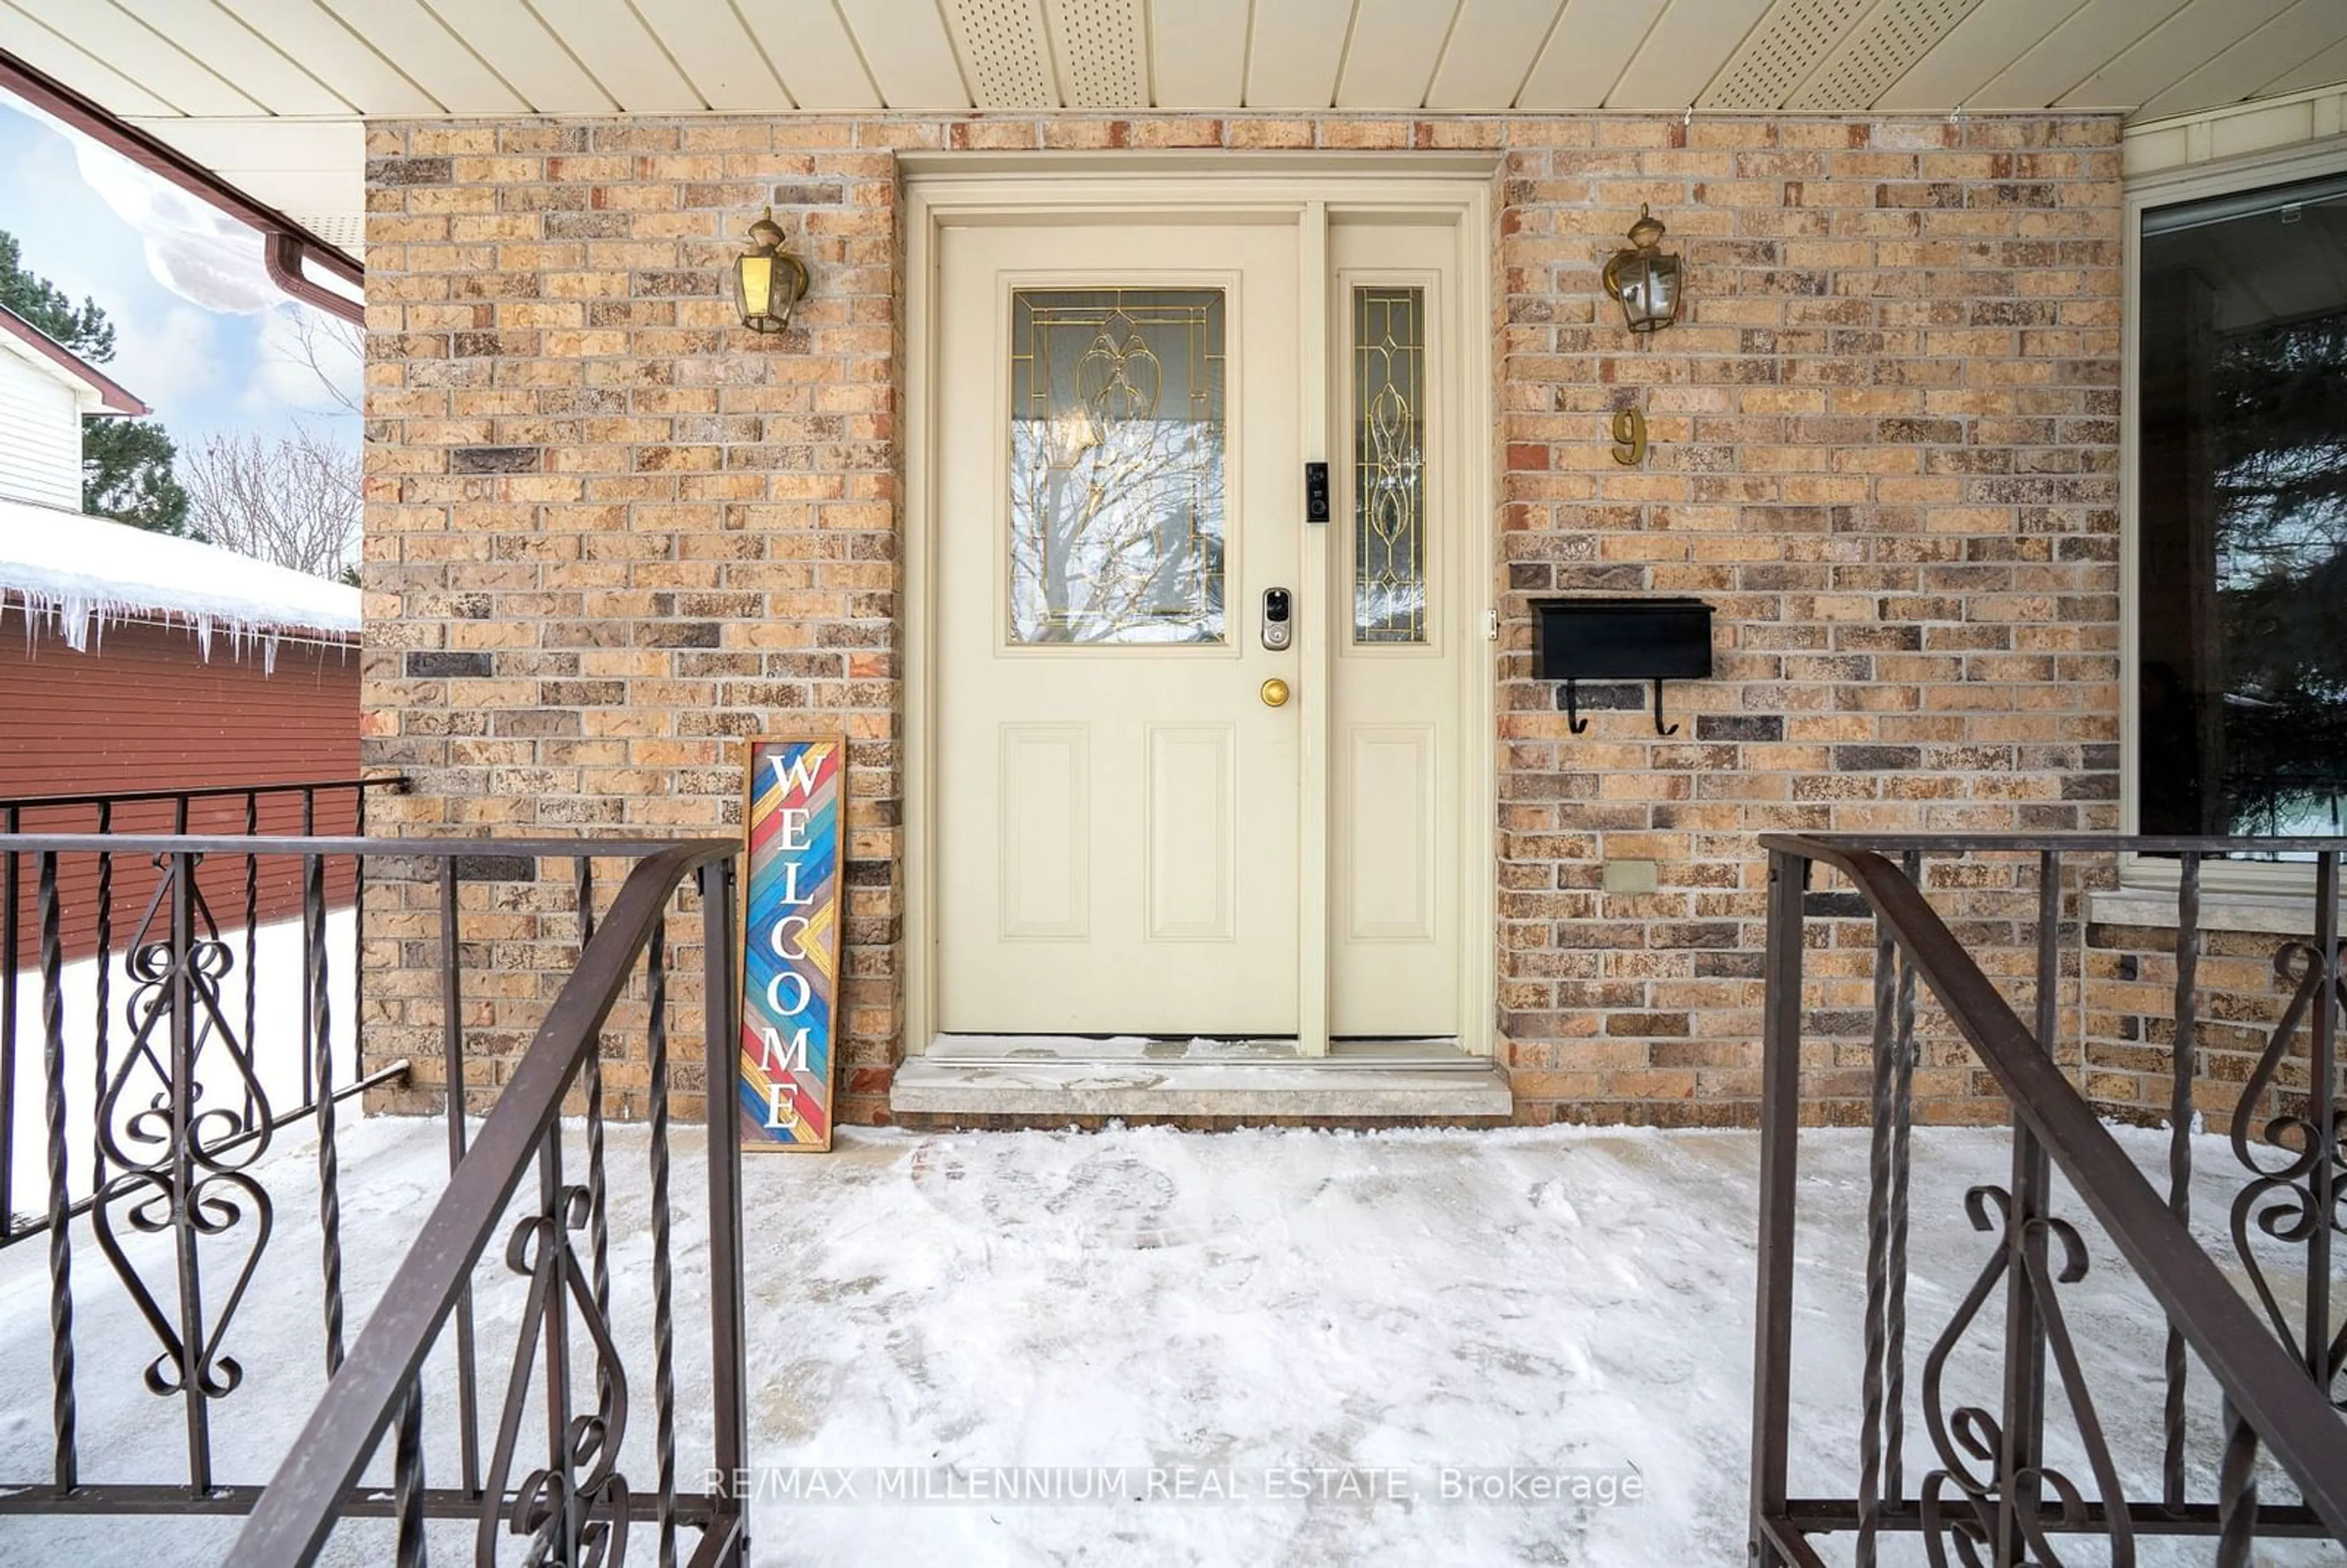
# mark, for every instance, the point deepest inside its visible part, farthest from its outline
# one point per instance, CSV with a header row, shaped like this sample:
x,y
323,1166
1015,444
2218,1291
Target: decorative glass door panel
x,y
1117,440
1389,464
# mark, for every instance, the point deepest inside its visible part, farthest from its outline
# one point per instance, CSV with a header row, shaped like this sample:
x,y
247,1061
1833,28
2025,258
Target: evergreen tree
x,y
126,463
2280,395
125,475
82,328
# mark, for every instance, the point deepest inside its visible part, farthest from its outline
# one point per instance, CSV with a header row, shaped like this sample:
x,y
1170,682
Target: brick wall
x,y
147,705
2129,1023
609,531
1886,451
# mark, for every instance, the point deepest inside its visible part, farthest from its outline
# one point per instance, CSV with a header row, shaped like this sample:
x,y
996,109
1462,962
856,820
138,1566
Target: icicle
x,y
74,585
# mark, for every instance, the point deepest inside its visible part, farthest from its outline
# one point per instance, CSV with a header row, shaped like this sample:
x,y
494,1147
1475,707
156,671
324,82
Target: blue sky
x,y
200,334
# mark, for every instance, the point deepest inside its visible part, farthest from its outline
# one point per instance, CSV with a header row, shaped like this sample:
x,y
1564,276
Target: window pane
x,y
1389,464
2241,589
1116,465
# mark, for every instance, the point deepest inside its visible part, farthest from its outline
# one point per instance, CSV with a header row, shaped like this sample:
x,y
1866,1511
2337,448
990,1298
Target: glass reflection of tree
x,y
1119,531
2280,395
1117,505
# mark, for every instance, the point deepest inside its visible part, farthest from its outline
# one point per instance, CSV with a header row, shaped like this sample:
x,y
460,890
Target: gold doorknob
x,y
1275,693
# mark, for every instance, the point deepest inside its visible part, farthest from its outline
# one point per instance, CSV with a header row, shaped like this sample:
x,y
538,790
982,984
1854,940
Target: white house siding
x,y
40,435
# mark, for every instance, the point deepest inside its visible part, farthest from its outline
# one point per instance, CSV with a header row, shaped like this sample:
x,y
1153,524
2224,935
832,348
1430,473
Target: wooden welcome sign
x,y
793,815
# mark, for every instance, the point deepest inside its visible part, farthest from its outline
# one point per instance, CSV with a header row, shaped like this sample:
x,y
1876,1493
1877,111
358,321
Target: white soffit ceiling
x,y
265,73
313,173
351,58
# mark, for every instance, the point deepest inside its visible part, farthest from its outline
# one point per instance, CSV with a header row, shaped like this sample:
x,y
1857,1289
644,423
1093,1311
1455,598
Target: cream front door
x,y
1119,484
1196,757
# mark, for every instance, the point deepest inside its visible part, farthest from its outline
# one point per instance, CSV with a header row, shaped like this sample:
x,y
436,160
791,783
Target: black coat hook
x,y
1579,726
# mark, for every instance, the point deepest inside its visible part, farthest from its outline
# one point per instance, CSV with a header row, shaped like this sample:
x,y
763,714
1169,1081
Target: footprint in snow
x,y
1548,1197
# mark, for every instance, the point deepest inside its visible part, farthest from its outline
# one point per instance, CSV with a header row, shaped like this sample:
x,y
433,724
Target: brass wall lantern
x,y
768,281
1645,280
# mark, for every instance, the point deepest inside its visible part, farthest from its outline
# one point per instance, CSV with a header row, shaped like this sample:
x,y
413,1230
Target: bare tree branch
x,y
321,342
295,500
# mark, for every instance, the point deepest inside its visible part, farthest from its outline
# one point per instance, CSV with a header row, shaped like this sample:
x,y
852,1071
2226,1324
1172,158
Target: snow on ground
x,y
1236,1313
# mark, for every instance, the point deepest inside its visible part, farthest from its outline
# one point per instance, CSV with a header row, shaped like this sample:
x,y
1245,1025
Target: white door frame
x,y
947,188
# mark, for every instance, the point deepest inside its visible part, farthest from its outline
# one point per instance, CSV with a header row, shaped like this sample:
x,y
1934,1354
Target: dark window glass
x,y
2242,471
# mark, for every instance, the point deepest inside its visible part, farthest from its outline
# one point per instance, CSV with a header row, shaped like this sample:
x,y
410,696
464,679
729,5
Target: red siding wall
x,y
143,710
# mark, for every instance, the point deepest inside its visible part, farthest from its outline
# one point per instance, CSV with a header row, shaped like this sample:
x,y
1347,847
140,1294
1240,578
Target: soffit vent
x,y
1885,47
1004,49
1778,56
344,230
1100,53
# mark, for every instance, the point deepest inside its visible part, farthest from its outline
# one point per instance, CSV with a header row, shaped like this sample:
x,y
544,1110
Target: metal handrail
x,y
293,845
301,1504
395,781
2039,843
2291,1413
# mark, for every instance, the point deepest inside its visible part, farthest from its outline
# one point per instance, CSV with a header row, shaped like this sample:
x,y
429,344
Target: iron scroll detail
x,y
2297,1168
175,1167
574,1509
1965,1509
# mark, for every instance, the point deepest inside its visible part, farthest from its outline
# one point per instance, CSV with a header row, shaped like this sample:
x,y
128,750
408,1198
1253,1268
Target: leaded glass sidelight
x,y
1116,465
1389,464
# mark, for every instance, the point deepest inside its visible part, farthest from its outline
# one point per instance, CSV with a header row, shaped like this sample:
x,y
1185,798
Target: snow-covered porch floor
x,y
1282,1340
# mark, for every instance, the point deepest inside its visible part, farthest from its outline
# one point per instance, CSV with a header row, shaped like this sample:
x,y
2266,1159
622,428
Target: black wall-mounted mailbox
x,y
1655,640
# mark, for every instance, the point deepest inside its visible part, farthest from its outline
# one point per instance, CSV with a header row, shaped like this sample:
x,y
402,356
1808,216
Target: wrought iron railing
x,y
166,1173
335,807
103,901
1993,1489
315,804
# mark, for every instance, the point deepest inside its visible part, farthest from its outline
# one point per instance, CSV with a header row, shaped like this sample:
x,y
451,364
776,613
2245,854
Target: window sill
x,y
2276,914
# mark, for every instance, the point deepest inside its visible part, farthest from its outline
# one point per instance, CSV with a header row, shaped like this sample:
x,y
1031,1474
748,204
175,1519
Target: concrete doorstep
x,y
1030,1075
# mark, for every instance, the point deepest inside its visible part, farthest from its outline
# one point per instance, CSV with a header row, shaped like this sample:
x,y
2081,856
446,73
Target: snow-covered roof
x,y
97,391
79,574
